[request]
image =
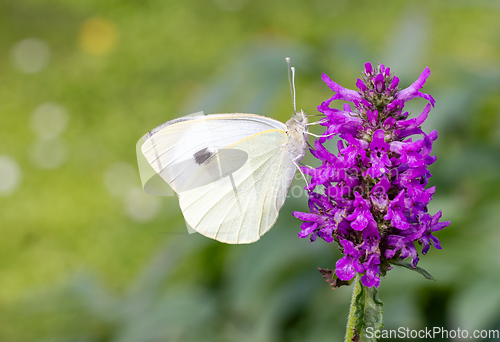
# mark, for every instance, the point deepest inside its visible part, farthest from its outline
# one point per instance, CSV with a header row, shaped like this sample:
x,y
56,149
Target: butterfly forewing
x,y
176,150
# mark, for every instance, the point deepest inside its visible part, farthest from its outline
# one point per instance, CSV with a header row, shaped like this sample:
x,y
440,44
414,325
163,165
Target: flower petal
x,y
344,269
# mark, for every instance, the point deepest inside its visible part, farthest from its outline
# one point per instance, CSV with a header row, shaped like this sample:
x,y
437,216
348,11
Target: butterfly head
x,y
300,117
298,122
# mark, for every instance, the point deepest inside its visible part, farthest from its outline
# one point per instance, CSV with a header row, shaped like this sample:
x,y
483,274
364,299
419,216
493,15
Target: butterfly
x,y
231,172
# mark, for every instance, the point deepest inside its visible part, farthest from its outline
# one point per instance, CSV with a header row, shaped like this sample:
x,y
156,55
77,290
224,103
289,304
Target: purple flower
x,y
339,121
379,196
368,68
342,93
413,91
379,157
371,195
433,225
371,278
346,267
409,152
395,213
379,83
356,148
361,214
318,222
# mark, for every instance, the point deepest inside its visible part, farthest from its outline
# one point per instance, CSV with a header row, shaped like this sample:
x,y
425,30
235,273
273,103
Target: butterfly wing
x,y
177,148
231,171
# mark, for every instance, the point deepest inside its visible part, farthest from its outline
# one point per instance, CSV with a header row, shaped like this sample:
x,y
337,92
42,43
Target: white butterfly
x,y
232,172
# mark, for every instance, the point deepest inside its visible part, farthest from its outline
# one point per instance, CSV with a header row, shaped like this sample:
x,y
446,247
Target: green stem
x,y
351,319
365,312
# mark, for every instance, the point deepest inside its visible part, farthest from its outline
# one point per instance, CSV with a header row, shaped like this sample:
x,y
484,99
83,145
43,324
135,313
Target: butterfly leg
x,y
298,167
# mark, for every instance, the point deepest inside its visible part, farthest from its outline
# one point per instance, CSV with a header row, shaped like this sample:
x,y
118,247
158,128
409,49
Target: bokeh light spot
x,y
30,55
10,175
120,177
49,120
48,153
140,206
98,36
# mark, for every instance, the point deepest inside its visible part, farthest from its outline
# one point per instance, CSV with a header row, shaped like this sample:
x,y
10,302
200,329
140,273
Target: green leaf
x,y
332,279
416,269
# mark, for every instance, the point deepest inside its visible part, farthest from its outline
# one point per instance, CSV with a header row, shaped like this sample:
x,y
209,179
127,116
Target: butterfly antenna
x,y
291,81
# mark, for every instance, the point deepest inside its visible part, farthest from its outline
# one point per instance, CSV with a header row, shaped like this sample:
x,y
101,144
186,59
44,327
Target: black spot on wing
x,y
202,155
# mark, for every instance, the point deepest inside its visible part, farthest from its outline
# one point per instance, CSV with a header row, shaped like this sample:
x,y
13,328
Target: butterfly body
x,y
297,135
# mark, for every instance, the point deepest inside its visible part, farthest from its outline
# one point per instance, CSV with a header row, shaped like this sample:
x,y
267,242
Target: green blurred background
x,y
85,255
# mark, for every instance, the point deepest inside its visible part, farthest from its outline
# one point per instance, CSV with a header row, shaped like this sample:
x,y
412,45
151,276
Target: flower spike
x,y
373,198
